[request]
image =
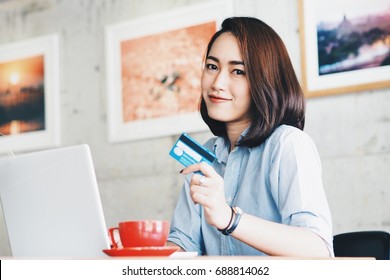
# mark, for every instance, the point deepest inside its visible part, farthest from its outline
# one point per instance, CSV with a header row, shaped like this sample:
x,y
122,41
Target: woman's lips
x,y
217,99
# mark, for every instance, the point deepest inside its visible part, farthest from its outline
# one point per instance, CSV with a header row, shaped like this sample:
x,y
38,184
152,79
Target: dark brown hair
x,y
277,97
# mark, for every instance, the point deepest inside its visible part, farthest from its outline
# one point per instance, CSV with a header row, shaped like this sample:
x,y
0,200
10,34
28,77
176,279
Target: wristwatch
x,y
238,213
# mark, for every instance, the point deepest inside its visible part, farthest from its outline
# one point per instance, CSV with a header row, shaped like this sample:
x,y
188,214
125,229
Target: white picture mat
x,y
48,46
342,80
120,131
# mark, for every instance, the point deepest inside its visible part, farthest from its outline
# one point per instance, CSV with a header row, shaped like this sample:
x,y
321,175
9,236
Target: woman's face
x,y
225,88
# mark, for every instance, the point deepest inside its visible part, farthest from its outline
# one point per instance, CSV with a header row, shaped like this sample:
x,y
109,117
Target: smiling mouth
x,y
217,99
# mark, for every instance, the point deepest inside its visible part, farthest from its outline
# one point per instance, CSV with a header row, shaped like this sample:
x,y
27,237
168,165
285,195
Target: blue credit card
x,y
187,151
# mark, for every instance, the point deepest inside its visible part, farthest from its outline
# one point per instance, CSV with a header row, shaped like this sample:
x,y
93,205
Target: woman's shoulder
x,y
285,130
287,133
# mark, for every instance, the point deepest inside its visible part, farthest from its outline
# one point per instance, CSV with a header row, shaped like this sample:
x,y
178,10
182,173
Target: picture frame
x,y
29,94
341,48
153,66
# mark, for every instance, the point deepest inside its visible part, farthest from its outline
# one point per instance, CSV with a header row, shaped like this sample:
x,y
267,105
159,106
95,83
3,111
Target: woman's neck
x,y
234,131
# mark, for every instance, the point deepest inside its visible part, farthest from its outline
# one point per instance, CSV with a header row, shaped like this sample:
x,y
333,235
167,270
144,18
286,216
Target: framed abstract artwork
x,y
345,45
153,68
29,94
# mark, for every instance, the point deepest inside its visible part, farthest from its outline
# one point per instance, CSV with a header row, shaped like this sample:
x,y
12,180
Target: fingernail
x,y
181,171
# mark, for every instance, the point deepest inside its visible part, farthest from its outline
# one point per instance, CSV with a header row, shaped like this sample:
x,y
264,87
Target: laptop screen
x,y
51,204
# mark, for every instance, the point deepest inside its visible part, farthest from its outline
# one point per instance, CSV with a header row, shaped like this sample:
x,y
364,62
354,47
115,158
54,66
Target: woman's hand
x,y
208,191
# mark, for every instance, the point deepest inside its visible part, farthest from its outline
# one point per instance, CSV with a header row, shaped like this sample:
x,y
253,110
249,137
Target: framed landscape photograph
x,y
154,65
345,45
29,108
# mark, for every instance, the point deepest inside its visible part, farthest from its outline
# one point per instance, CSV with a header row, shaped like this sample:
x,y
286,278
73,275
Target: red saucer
x,y
140,251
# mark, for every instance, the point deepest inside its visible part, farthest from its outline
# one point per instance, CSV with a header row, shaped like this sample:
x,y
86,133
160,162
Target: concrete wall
x,y
350,130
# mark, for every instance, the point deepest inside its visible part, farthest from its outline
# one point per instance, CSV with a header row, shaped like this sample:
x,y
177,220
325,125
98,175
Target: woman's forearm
x,y
278,239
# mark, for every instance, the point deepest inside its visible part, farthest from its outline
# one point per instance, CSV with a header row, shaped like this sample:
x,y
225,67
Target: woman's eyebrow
x,y
232,62
212,58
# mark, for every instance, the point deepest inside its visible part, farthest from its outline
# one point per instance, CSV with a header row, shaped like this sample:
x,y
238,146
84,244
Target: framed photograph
x,y
154,65
29,93
345,45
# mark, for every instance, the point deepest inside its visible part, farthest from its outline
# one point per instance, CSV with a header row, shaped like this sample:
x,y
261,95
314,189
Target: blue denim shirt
x,y
279,181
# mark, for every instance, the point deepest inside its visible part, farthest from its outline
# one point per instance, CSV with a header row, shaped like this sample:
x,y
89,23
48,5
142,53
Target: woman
x,y
263,195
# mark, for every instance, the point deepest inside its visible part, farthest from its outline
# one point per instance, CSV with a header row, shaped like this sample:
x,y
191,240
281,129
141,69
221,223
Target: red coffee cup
x,y
140,233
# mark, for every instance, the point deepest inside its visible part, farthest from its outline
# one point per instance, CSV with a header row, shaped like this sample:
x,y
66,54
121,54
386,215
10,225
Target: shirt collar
x,y
222,146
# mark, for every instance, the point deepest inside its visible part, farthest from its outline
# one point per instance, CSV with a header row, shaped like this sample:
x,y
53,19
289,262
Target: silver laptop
x,y
51,204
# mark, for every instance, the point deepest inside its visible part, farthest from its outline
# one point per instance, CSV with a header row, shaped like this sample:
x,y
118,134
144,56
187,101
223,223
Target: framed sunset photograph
x,y
154,65
345,45
29,113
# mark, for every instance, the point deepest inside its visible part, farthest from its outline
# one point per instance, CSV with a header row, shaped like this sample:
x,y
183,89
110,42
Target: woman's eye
x,y
211,66
239,72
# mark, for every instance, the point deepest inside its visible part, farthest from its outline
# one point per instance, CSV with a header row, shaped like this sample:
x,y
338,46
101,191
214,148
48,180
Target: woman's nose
x,y
220,81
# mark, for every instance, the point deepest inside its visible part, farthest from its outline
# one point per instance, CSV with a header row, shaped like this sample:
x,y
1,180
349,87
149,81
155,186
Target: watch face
x,y
238,210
